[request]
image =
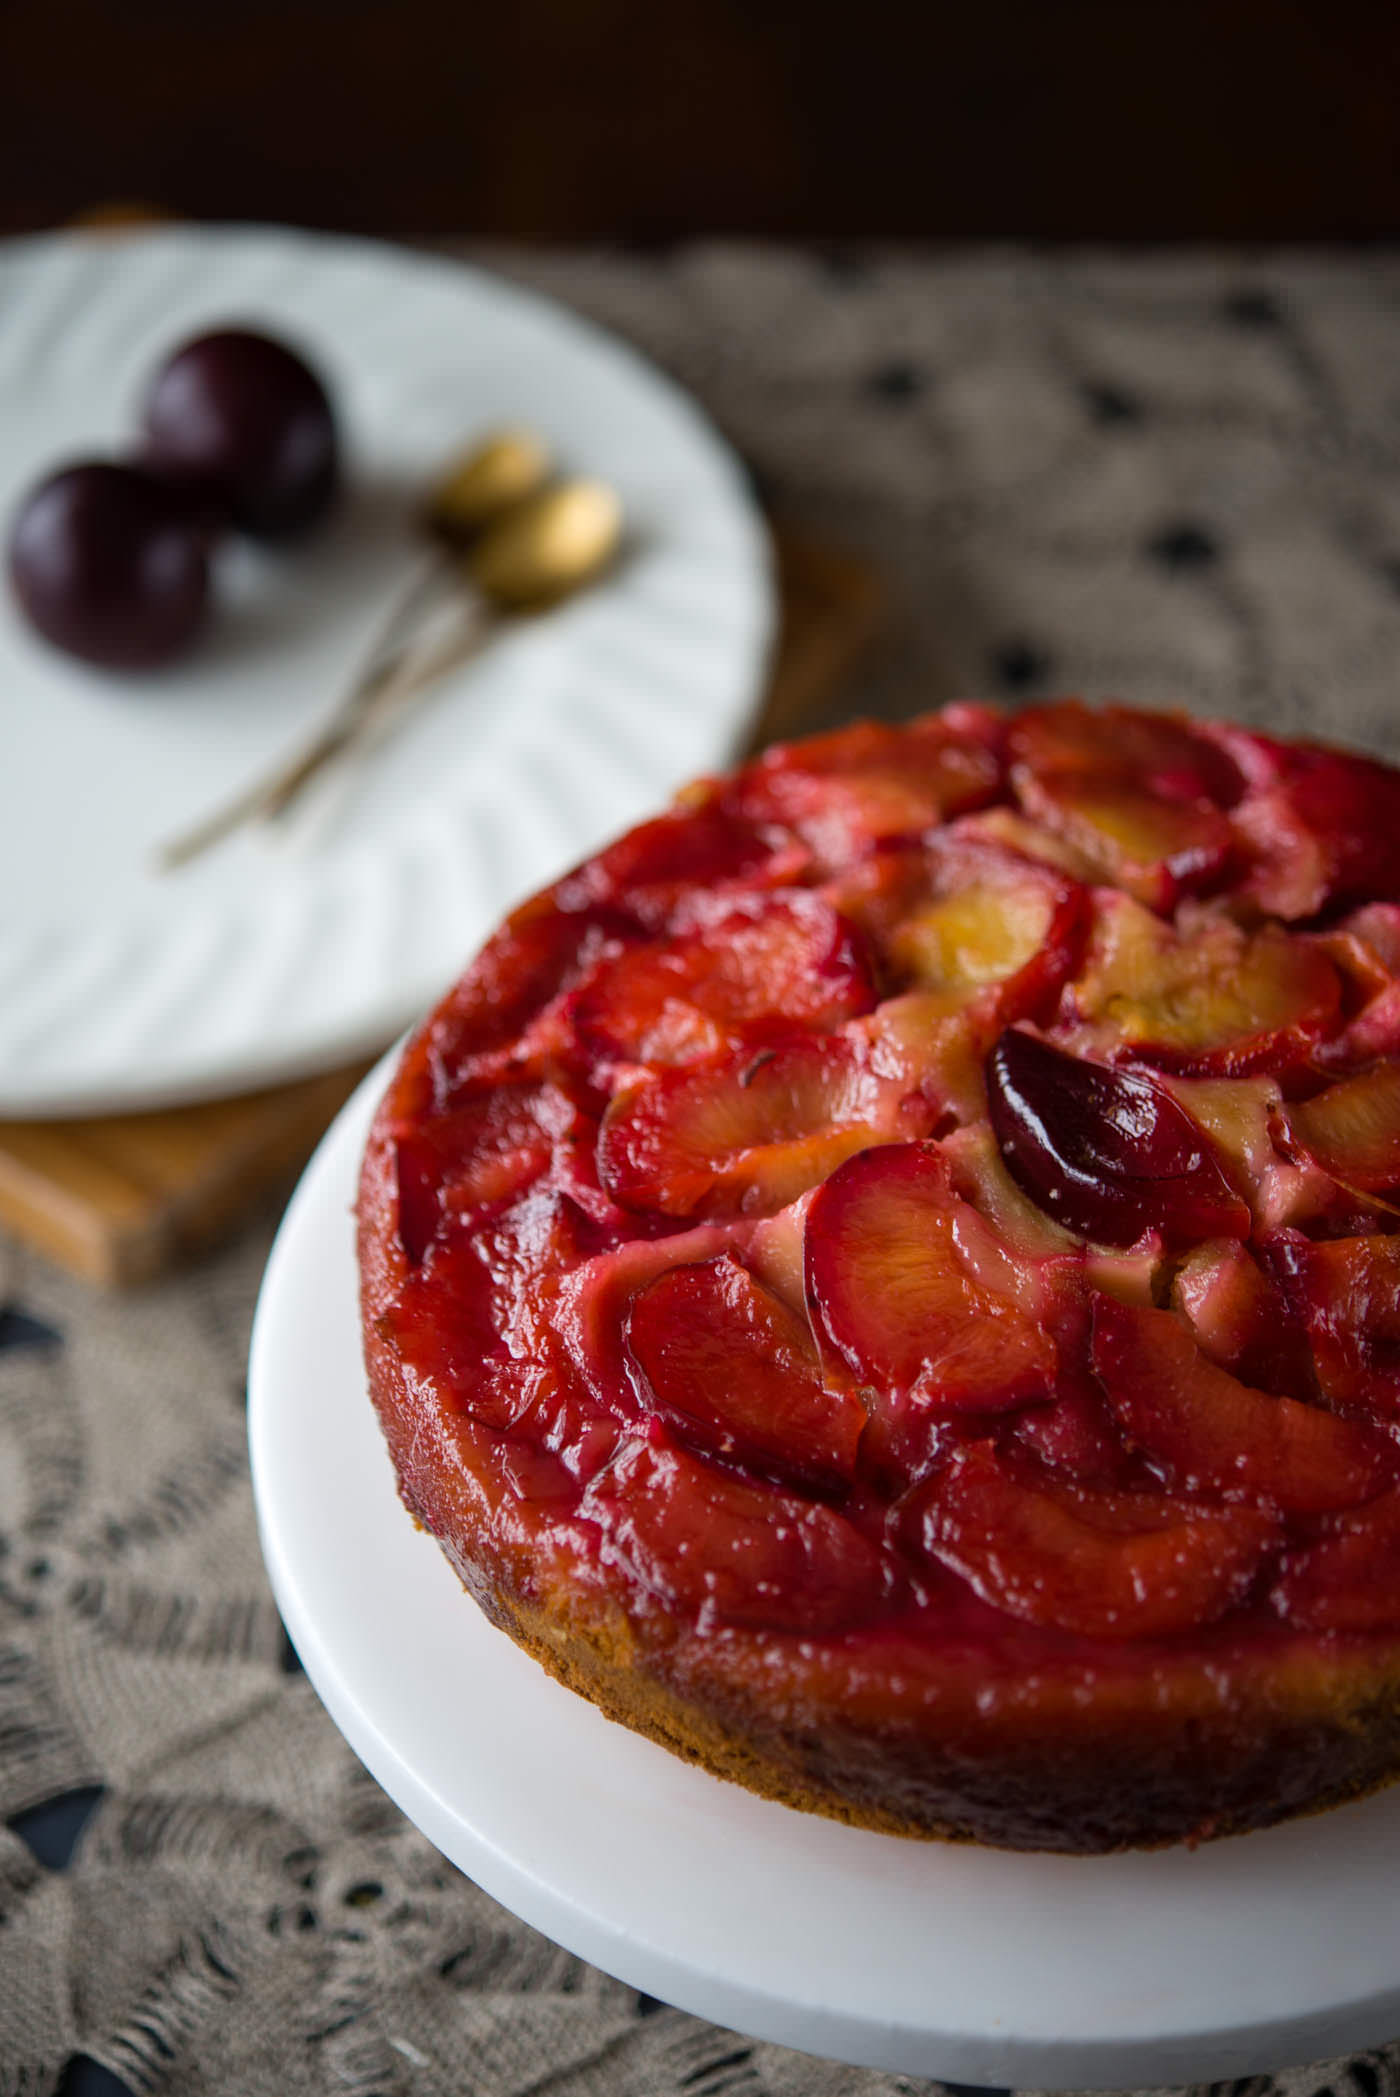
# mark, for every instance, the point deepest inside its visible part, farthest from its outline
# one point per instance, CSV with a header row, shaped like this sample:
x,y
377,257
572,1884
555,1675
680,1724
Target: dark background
x,y
613,120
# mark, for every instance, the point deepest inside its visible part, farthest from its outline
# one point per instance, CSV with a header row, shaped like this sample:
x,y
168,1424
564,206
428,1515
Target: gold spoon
x,y
485,481
547,547
536,555
538,552
479,485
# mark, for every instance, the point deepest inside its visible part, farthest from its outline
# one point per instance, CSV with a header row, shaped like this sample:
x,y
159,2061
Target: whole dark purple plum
x,y
108,564
246,422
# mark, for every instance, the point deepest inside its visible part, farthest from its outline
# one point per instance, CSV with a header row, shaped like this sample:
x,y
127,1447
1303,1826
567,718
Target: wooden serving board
x,y
119,1199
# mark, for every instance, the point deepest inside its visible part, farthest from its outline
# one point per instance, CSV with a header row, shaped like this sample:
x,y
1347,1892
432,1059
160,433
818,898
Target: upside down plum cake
x,y
887,1279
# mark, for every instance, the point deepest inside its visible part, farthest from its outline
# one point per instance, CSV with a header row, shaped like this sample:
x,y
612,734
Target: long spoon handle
x,y
407,677
382,660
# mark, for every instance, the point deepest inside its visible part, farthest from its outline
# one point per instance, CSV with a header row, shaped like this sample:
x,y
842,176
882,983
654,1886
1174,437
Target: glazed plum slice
x,y
1349,1579
1375,931
1171,757
1322,827
965,921
1352,1129
1245,1121
932,1051
538,954
1076,1436
846,793
1203,997
1242,1318
747,969
893,1285
1009,830
735,1374
1139,797
1157,850
657,866
473,1321
590,1311
1365,949
1362,949
1346,1291
725,1547
1240,1117
1108,1153
1102,1563
1372,1031
442,1323
746,1136
1206,1431
980,1178
483,1151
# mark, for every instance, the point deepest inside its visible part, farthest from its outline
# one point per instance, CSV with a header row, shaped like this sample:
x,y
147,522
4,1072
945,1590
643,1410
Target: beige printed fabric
x,y
1174,480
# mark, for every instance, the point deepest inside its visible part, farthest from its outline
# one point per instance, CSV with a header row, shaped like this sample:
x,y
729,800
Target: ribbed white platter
x,y
123,988
974,1965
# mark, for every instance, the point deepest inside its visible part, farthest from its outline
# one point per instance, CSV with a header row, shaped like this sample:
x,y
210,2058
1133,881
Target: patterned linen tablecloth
x,y
1172,479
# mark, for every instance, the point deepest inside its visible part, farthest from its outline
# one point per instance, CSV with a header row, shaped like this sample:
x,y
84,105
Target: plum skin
x,y
246,422
1106,1152
108,565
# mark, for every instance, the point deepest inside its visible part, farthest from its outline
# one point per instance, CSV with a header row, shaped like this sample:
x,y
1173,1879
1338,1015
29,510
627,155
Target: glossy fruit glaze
x,y
925,1210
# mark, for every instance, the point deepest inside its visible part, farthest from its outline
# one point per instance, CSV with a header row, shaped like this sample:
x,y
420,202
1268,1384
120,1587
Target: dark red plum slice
x,y
736,1374
1107,1152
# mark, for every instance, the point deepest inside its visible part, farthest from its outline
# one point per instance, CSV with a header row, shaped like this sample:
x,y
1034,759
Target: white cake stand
x,y
973,1965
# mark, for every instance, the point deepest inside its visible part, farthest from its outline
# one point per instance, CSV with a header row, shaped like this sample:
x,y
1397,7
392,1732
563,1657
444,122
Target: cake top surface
x,y
936,1183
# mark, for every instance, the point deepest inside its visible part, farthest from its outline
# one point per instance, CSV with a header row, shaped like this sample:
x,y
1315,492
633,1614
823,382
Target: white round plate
x,y
974,1965
121,987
